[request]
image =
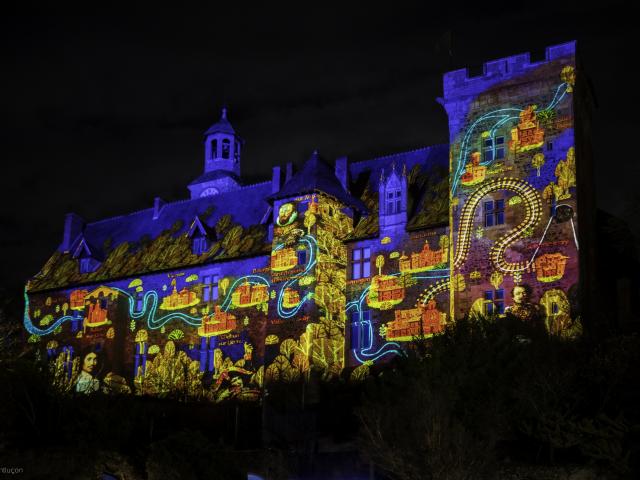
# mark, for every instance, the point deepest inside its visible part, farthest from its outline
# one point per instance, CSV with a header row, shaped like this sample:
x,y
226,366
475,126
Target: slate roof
x,y
435,155
247,206
215,175
316,175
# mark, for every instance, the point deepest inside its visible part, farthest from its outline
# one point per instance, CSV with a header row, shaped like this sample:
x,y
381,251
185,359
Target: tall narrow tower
x,y
513,188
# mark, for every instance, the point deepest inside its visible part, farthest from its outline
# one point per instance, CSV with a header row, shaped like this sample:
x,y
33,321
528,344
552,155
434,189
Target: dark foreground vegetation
x,y
489,392
486,397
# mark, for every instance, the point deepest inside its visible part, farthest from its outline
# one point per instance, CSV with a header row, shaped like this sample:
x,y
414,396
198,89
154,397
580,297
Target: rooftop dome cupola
x,y
222,146
221,160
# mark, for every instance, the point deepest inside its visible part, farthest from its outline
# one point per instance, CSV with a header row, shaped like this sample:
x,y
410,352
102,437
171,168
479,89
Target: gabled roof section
x,y
427,187
317,176
83,249
221,126
200,229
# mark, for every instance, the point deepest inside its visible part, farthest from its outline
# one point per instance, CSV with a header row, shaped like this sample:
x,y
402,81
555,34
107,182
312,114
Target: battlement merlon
x,y
457,83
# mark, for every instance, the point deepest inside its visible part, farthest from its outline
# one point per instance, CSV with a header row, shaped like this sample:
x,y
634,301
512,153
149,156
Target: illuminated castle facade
x,y
331,268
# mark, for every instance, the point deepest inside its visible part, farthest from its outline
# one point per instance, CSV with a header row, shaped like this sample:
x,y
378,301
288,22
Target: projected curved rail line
x,y
533,213
431,291
365,352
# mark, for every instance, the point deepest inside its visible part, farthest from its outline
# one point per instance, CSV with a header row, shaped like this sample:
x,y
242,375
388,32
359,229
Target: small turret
x,y
222,148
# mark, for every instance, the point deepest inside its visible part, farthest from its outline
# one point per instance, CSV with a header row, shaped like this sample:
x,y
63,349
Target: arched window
x,y
226,147
214,148
236,152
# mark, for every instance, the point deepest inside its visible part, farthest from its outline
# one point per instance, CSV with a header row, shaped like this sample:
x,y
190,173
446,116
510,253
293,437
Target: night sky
x,y
104,112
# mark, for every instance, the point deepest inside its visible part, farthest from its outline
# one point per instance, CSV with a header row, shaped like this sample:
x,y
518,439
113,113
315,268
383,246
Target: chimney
x,y
276,180
289,172
158,203
342,172
73,226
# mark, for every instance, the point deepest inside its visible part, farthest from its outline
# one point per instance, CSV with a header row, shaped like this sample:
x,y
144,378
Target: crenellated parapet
x,y
459,83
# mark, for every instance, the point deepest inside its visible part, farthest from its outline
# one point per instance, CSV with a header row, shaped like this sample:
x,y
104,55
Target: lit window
x,y
493,213
210,287
361,263
494,301
491,153
394,202
226,148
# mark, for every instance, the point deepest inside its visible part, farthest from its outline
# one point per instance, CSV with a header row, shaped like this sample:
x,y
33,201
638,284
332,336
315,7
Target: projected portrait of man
x,y
522,308
87,380
287,214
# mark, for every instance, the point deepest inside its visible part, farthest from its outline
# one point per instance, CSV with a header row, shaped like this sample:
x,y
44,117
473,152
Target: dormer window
x,y
226,148
87,260
394,201
200,236
199,245
85,265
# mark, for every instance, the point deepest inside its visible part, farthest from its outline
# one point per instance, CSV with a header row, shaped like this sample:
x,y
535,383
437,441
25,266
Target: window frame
x,y
393,201
200,245
360,263
489,147
85,264
210,288
493,212
493,301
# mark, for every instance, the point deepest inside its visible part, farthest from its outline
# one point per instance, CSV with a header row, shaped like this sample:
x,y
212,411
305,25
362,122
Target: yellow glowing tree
x,y
309,221
224,284
537,162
